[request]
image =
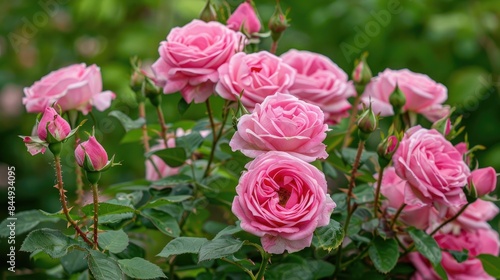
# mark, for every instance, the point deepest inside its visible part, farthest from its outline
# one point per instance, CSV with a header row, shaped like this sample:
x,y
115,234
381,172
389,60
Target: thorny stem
x,y
79,177
95,195
62,195
144,127
274,47
352,119
163,126
396,216
450,219
354,170
377,191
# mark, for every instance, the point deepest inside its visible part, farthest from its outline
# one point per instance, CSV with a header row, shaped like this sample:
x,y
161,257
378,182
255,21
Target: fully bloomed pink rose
x,y
244,18
433,167
75,87
255,76
282,123
423,95
321,82
481,241
283,200
191,55
393,188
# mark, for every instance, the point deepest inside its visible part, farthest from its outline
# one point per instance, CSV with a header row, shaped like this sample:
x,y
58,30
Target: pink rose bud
x,y
244,18
386,150
91,155
208,13
367,123
52,128
483,180
278,23
362,73
443,125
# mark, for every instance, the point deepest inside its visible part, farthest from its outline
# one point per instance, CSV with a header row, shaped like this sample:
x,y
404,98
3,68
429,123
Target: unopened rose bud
x,y
136,80
208,13
52,128
386,150
151,91
362,73
397,99
91,155
278,23
244,18
367,123
482,181
443,126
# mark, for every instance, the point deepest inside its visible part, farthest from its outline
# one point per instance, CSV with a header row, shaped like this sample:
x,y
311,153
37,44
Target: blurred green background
x,y
454,42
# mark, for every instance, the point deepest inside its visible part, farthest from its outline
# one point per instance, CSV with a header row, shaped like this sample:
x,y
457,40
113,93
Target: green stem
x,y
145,137
95,195
395,218
249,272
62,196
265,260
377,191
214,137
163,126
450,219
354,170
352,120
274,47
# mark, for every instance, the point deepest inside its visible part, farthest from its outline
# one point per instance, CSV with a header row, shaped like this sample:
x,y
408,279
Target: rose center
x,y
283,195
255,69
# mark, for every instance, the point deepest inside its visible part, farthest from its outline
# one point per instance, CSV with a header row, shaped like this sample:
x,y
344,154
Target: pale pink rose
x,y
156,168
321,82
481,241
91,155
191,55
282,123
433,167
475,216
484,180
255,76
244,18
282,199
393,188
423,95
54,125
75,87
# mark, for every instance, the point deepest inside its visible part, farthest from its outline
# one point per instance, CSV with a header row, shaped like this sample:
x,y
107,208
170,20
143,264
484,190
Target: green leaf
x,y
113,241
229,230
103,267
174,180
218,248
189,142
491,264
384,253
321,269
127,123
440,271
460,256
173,157
183,245
140,268
107,209
329,170
328,237
426,245
183,106
163,221
132,250
74,261
166,200
287,271
363,194
50,241
25,221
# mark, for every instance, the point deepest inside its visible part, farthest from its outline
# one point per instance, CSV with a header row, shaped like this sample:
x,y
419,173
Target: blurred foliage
x,y
454,42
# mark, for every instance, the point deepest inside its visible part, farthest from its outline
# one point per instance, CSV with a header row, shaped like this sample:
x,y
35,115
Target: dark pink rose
x,y
433,167
52,123
255,76
91,155
244,18
484,180
282,123
481,241
423,95
76,87
393,189
282,199
321,82
191,55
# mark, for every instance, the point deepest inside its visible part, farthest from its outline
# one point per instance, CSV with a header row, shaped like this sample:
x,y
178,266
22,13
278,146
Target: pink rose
x,y
244,18
484,180
423,95
91,155
54,125
75,87
156,168
256,75
433,167
282,123
282,199
393,188
481,241
321,82
190,57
